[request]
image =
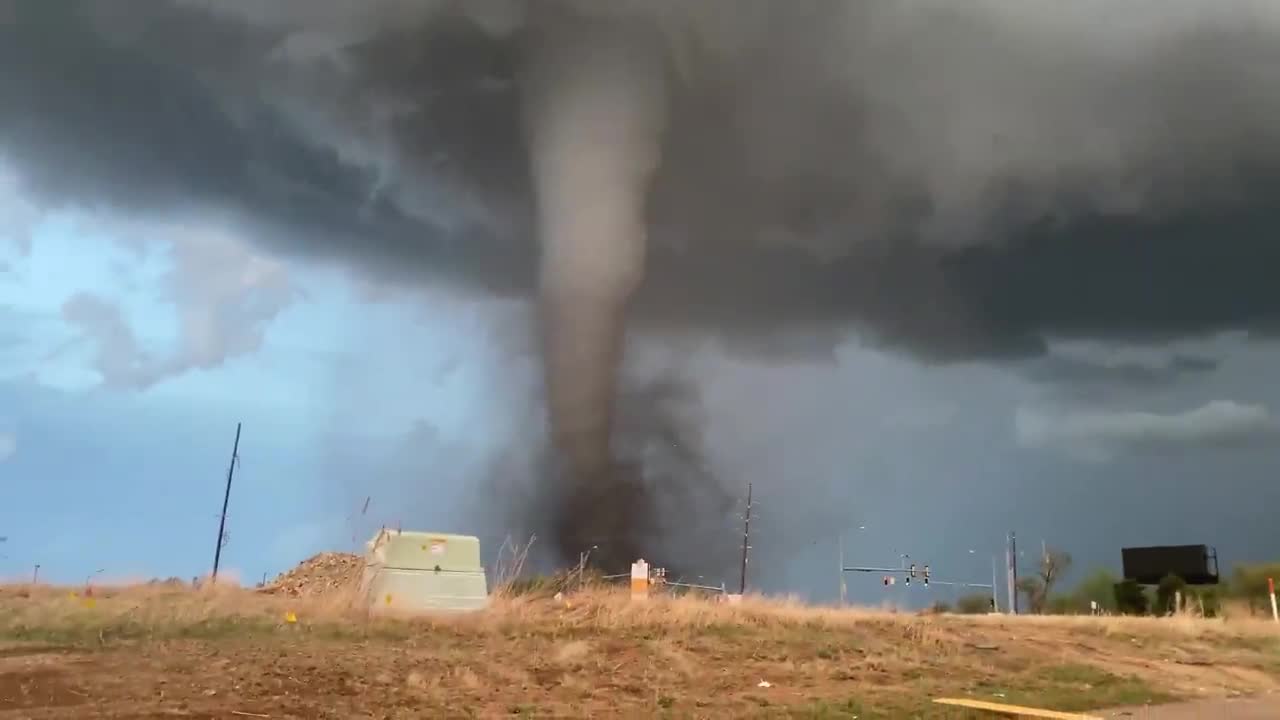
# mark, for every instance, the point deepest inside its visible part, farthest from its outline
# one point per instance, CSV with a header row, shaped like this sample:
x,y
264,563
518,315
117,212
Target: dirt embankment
x,y
321,574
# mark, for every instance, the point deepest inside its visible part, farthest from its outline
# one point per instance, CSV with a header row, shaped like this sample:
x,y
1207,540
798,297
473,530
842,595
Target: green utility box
x,y
409,571
406,550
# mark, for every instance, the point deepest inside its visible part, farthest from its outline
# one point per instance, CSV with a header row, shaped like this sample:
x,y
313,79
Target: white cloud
x,y
8,444
17,215
118,357
1101,435
225,294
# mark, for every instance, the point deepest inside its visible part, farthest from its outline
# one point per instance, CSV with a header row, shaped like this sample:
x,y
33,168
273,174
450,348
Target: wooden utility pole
x,y
226,498
840,568
746,539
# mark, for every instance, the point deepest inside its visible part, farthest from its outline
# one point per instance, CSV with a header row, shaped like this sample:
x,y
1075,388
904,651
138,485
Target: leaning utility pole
x,y
746,536
226,498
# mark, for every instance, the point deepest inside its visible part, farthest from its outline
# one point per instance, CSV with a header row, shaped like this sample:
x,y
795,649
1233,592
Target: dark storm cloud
x,y
162,110
800,187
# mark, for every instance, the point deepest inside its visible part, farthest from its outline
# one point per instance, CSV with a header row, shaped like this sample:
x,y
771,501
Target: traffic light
x,y
926,574
913,569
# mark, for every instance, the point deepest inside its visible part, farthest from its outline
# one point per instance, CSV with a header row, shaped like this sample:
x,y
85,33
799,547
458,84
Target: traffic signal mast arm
x,y
911,572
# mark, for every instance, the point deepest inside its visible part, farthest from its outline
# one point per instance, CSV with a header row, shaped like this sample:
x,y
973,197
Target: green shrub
x,y
974,604
1130,598
1167,593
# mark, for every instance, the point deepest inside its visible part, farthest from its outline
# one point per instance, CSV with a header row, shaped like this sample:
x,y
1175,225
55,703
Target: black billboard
x,y
1196,564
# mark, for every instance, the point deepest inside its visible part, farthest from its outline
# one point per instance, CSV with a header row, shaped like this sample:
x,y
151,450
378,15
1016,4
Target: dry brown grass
x,y
670,653
596,607
509,566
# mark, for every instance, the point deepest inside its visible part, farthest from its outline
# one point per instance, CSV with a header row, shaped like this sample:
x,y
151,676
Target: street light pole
x,y
746,537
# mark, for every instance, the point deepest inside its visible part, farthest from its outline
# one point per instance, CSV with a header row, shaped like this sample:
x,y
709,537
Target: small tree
x,y
1250,584
974,604
1039,587
1097,587
1053,565
1130,598
1208,601
1032,589
1066,605
1167,593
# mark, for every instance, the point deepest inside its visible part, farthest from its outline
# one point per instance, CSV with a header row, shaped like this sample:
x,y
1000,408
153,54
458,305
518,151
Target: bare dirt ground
x,y
1264,707
170,651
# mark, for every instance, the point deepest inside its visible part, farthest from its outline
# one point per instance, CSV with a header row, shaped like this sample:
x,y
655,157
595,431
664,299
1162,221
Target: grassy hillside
x,y
127,652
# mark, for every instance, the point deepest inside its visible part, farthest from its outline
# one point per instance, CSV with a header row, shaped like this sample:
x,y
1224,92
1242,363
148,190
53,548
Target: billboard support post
x,y
1271,590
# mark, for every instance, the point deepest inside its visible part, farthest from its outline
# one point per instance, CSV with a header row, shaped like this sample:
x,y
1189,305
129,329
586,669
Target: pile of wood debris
x,y
319,575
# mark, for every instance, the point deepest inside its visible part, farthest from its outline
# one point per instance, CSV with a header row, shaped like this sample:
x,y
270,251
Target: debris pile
x,y
318,575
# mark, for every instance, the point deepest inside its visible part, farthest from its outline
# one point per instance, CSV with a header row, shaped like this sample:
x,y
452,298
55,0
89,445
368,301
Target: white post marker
x,y
1271,590
640,580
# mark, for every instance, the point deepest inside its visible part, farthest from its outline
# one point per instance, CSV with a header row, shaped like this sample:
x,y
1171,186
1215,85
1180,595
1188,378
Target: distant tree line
x,y
1039,594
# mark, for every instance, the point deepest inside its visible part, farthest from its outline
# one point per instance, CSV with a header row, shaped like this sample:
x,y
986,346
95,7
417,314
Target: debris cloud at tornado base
x,y
940,178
